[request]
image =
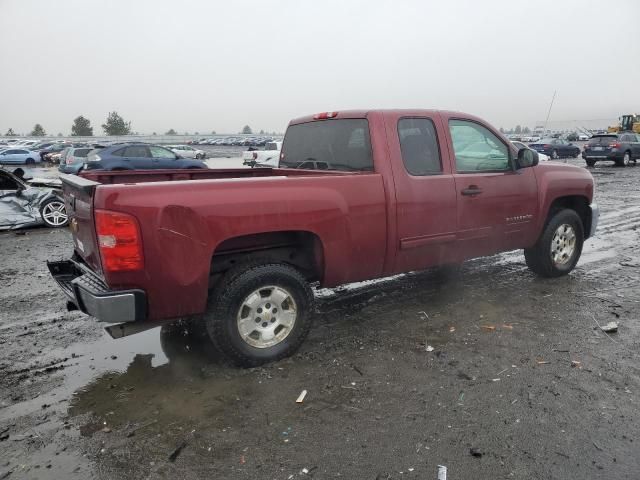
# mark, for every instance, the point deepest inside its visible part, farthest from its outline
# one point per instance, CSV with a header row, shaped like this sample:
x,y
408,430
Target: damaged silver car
x,y
28,203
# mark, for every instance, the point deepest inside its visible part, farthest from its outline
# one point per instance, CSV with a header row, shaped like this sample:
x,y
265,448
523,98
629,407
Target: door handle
x,y
471,190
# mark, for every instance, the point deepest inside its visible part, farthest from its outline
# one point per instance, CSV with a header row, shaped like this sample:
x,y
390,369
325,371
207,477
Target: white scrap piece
x,y
300,398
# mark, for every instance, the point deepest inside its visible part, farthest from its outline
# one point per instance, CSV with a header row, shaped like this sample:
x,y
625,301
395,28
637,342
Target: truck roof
x,y
365,113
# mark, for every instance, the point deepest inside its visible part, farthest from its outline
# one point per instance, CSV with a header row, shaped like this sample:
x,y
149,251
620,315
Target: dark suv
x,y
622,148
137,156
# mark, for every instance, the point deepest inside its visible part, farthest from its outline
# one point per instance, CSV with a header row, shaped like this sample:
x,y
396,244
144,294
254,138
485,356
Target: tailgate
x,y
78,196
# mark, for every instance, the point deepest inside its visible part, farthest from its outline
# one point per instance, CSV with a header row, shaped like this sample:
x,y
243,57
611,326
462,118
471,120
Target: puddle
x,y
85,362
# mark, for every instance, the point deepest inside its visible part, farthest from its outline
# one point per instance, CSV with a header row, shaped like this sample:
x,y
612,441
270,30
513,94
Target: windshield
x,y
328,145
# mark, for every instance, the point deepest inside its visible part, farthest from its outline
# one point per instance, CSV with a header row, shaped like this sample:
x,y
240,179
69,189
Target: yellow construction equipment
x,y
628,123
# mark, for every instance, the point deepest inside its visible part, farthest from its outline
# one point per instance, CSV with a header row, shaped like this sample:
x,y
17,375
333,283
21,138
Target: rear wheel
x,y
30,161
259,314
558,249
554,154
54,213
590,163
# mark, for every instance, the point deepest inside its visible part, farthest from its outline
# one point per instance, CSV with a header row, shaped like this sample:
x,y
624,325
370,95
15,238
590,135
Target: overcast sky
x,y
212,65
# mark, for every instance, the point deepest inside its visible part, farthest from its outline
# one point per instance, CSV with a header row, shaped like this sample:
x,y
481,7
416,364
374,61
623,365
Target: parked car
x,y
135,156
48,152
269,157
621,148
541,156
186,151
583,137
72,159
23,205
17,156
238,250
572,137
556,148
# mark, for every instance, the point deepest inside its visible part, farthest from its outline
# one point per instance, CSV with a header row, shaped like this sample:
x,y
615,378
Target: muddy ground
x,y
519,375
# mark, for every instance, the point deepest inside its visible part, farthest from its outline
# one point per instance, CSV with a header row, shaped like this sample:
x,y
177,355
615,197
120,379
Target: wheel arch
x,y
577,203
302,249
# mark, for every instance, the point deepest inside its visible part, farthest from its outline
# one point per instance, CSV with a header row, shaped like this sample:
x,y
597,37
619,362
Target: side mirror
x,y
527,158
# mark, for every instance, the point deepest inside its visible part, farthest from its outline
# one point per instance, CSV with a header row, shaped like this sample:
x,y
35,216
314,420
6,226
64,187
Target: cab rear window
x,y
340,144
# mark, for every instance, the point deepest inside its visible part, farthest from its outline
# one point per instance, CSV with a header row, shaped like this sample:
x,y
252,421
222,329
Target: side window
x,y
136,151
159,152
419,146
118,153
7,183
476,148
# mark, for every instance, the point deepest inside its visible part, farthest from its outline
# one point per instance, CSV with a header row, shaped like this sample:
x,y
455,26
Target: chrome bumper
x,y
87,292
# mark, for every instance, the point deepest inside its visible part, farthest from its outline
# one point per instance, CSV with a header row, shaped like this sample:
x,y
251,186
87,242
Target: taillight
x,y
325,115
69,160
614,145
119,241
546,146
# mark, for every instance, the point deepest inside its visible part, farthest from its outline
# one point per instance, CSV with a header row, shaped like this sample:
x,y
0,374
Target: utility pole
x,y
549,112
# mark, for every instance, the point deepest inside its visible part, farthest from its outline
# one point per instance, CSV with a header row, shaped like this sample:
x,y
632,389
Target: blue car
x,y
556,148
137,156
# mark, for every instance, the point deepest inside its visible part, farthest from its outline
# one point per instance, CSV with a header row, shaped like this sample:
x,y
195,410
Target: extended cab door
x,y
497,204
424,189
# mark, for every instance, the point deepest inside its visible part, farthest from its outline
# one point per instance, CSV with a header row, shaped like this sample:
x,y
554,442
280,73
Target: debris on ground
x,y
300,398
442,472
610,327
430,348
575,363
176,452
475,452
491,328
542,362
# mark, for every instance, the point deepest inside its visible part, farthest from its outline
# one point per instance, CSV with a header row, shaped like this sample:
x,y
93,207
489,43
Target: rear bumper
x,y
88,292
593,155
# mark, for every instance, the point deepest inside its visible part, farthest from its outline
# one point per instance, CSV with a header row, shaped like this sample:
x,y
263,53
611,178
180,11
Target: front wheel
x,y
30,161
260,313
590,163
558,249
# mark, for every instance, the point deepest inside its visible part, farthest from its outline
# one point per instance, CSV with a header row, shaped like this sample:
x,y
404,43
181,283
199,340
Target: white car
x,y
583,137
269,157
185,151
541,156
16,156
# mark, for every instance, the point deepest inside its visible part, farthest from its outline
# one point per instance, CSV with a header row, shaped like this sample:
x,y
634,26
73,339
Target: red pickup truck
x,y
357,195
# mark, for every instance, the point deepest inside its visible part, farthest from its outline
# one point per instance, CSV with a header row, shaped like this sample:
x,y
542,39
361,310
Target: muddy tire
x,y
554,155
558,249
259,313
590,163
